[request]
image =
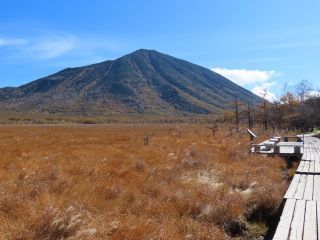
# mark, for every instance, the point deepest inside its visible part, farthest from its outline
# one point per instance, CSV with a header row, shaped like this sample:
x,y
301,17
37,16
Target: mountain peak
x,y
143,50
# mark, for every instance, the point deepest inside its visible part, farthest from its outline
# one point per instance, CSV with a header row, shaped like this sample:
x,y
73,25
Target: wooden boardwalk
x,y
300,218
280,146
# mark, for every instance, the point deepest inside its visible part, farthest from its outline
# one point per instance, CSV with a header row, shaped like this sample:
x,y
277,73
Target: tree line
x,y
296,109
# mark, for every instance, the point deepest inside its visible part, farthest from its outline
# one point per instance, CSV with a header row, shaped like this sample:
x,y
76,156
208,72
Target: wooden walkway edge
x,y
300,218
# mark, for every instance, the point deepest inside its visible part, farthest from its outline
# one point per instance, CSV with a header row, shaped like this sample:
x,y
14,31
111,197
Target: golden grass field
x,y
103,182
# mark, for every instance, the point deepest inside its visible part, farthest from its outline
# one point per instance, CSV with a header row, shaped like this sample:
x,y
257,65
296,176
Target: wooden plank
x,y
311,168
300,167
318,214
308,154
306,167
293,186
317,166
296,230
314,156
305,155
304,222
310,222
301,187
308,192
283,228
286,150
316,189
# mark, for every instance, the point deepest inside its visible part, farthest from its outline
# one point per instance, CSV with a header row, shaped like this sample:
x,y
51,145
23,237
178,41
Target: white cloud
x,y
51,47
262,81
313,94
12,41
267,85
244,76
264,92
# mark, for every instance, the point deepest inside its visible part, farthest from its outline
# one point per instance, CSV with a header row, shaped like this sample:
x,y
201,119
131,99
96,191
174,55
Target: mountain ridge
x,y
144,81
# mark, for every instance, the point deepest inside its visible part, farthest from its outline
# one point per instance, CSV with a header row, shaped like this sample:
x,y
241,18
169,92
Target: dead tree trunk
x,y
265,119
249,116
279,113
237,114
265,115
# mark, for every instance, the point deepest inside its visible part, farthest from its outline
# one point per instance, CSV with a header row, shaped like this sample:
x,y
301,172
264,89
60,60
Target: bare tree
x,y
277,105
265,115
249,113
302,90
296,109
214,128
237,113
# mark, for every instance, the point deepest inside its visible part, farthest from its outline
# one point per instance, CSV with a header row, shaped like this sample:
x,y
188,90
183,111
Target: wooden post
x,y
297,150
252,136
256,148
276,149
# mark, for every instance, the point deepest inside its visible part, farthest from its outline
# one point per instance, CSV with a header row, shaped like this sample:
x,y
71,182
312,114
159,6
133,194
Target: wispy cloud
x,y
261,60
43,47
244,76
51,47
12,41
285,45
64,47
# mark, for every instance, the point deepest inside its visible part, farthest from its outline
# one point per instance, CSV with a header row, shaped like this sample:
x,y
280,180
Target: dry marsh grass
x,y
105,182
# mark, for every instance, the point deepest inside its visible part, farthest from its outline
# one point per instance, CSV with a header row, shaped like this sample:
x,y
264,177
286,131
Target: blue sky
x,y
258,44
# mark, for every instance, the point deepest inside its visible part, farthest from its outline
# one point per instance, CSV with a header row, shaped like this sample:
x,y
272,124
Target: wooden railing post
x,y
256,148
276,149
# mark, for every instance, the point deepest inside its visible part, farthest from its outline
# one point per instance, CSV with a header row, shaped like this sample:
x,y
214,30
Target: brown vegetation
x,y
104,182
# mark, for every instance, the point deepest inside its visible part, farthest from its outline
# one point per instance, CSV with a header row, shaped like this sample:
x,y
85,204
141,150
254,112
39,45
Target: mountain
x,y
145,81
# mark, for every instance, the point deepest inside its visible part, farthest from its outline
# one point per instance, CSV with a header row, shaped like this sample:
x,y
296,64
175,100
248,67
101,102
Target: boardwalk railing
x,y
280,145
